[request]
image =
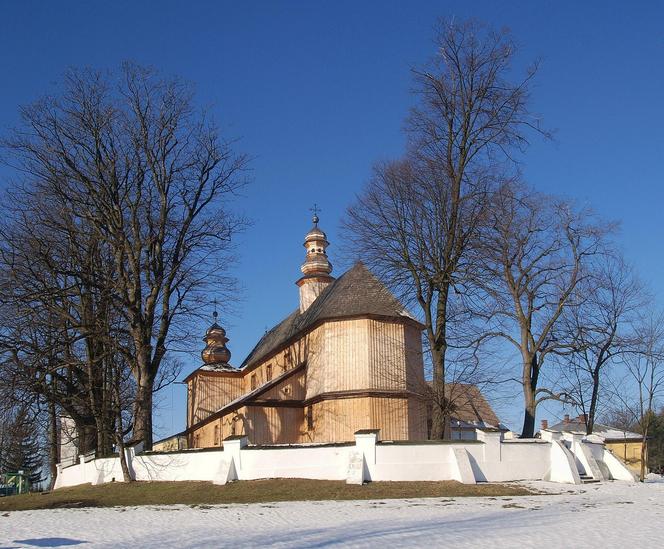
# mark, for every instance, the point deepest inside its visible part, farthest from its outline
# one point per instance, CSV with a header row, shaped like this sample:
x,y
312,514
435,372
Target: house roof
x,y
607,432
357,292
471,408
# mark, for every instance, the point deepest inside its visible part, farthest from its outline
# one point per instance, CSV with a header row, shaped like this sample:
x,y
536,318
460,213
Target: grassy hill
x,y
206,493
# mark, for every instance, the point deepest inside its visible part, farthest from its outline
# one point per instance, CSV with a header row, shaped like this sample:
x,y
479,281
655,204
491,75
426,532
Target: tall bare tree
x,y
130,157
597,328
537,249
417,217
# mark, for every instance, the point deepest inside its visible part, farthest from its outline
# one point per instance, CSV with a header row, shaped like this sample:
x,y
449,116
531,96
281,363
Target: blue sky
x,y
317,91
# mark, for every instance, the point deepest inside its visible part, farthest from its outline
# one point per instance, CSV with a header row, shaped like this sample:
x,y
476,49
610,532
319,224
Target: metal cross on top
x,y
315,209
214,312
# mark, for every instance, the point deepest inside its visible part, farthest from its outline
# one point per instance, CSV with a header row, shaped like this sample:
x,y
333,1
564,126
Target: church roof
x,y
355,293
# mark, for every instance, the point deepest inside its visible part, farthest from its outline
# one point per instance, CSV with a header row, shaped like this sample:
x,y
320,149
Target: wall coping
x,y
426,442
165,452
297,446
525,441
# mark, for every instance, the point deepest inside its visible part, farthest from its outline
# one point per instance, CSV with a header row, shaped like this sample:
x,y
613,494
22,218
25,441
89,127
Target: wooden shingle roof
x,y
356,293
470,406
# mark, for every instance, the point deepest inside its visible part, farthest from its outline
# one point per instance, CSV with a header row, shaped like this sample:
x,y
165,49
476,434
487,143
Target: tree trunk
x,y
87,437
644,455
440,409
590,420
52,444
143,415
437,334
119,432
529,393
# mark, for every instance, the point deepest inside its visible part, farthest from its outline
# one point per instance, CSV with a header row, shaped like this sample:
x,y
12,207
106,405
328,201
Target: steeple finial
x,y
214,312
315,209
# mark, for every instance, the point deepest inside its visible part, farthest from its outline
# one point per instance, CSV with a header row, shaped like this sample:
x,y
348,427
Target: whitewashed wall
x,y
489,459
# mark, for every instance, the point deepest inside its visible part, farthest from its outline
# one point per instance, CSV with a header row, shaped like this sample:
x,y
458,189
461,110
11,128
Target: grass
x,y
255,491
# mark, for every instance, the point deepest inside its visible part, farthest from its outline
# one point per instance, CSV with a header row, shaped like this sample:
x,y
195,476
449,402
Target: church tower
x,y
316,268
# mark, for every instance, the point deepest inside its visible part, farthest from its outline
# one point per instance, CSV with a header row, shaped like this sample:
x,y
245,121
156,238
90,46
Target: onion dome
x,y
316,262
215,339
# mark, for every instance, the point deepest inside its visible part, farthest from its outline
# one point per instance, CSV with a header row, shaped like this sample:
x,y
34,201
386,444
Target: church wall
x,y
387,356
213,433
337,420
261,424
290,389
284,360
363,354
208,393
414,360
338,357
417,419
272,424
334,420
341,356
309,291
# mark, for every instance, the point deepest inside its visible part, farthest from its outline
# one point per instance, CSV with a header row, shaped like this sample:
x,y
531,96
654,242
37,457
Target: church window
x,y
216,435
268,372
254,382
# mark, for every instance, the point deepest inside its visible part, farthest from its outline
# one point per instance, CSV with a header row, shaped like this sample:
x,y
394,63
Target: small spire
x,y
315,209
214,312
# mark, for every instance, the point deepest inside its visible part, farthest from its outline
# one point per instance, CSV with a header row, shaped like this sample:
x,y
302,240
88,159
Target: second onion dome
x,y
215,339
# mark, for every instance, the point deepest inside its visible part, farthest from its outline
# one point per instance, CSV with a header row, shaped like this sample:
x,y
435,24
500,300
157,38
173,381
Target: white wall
x,y
488,459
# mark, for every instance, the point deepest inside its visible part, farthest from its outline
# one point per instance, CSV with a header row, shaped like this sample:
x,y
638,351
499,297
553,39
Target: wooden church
x,y
348,358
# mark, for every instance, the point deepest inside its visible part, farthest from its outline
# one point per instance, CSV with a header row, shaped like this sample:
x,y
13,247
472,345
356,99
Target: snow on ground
x,y
610,514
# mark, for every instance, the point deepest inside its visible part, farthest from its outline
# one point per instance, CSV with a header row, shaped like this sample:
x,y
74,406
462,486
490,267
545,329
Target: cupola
x,y
215,351
316,268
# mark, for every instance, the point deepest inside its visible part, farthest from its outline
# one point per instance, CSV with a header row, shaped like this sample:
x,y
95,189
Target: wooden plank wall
x,y
289,389
208,393
345,355
337,420
387,356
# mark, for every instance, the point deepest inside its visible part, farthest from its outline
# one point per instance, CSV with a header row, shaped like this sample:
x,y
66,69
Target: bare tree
x,y
133,160
417,217
597,328
645,371
536,252
56,295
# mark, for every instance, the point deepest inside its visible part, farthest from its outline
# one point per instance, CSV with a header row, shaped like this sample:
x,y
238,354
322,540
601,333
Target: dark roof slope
x,y
470,406
356,292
